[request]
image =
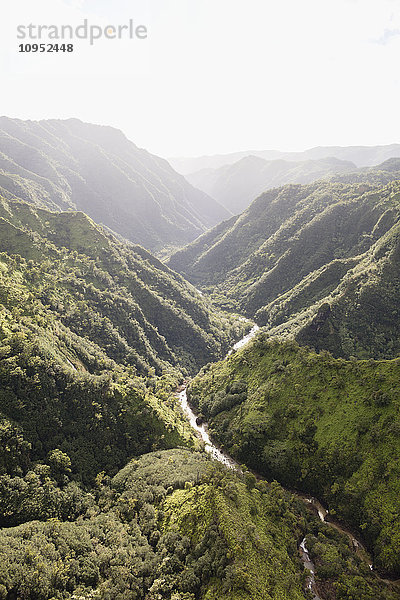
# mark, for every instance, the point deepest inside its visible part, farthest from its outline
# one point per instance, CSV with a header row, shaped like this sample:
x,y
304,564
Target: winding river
x,y
223,457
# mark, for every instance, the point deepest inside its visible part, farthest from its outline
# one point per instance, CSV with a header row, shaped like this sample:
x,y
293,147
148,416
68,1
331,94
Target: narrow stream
x,y
223,457
244,340
308,564
202,430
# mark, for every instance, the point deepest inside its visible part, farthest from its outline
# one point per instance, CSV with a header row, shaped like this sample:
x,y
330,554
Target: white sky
x,y
215,75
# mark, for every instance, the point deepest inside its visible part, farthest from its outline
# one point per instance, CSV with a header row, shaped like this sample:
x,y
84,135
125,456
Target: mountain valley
x,y
236,186
106,491
308,261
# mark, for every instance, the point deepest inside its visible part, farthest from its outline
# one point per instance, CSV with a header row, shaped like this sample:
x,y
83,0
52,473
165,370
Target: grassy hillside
x,y
300,253
69,164
325,426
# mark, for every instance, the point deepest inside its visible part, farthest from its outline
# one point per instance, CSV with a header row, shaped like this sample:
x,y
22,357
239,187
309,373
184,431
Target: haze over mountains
x,y
361,156
236,186
69,164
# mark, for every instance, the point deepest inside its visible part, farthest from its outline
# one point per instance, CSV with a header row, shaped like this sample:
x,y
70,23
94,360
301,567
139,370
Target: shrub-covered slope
x,y
169,525
94,335
235,186
300,253
69,164
360,318
326,426
116,295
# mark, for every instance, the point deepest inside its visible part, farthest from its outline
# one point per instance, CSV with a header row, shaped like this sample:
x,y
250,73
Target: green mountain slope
x,y
93,333
235,186
102,495
319,424
300,253
94,336
69,164
117,295
360,317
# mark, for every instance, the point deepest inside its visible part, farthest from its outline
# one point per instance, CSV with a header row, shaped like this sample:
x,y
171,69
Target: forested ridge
x,y
169,525
318,262
135,309
325,426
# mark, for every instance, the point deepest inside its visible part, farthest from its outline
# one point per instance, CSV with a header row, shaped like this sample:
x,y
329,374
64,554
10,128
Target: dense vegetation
x,y
68,164
104,491
98,420
319,262
94,337
172,525
323,425
64,268
235,186
167,526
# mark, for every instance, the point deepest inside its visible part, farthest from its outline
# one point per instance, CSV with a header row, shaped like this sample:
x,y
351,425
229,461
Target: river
x,y
223,457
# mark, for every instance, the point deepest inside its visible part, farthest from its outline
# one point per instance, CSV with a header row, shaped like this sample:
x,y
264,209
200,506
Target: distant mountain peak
x,y
236,185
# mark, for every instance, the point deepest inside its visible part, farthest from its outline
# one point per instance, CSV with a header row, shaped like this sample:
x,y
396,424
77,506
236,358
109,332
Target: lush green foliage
x,y
326,426
341,572
69,271
94,334
317,262
98,420
172,525
169,525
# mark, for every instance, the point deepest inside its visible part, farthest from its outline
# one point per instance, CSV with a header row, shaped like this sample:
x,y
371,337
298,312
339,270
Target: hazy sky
x,y
215,75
